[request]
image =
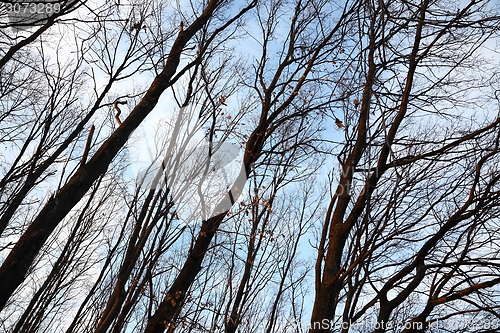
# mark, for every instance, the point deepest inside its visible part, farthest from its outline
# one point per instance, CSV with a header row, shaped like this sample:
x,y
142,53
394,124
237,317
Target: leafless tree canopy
x,y
249,166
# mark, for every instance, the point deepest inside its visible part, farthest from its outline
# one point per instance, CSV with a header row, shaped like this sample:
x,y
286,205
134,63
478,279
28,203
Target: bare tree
x,y
222,222
22,255
412,196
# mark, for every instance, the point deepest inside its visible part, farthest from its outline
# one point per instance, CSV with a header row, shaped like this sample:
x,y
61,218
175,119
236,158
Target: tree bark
x,y
19,260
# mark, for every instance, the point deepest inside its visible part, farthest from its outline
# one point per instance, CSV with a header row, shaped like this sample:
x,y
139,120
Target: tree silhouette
x,y
250,166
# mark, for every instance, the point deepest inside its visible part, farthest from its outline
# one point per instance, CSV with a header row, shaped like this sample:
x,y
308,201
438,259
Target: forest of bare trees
x,y
250,166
